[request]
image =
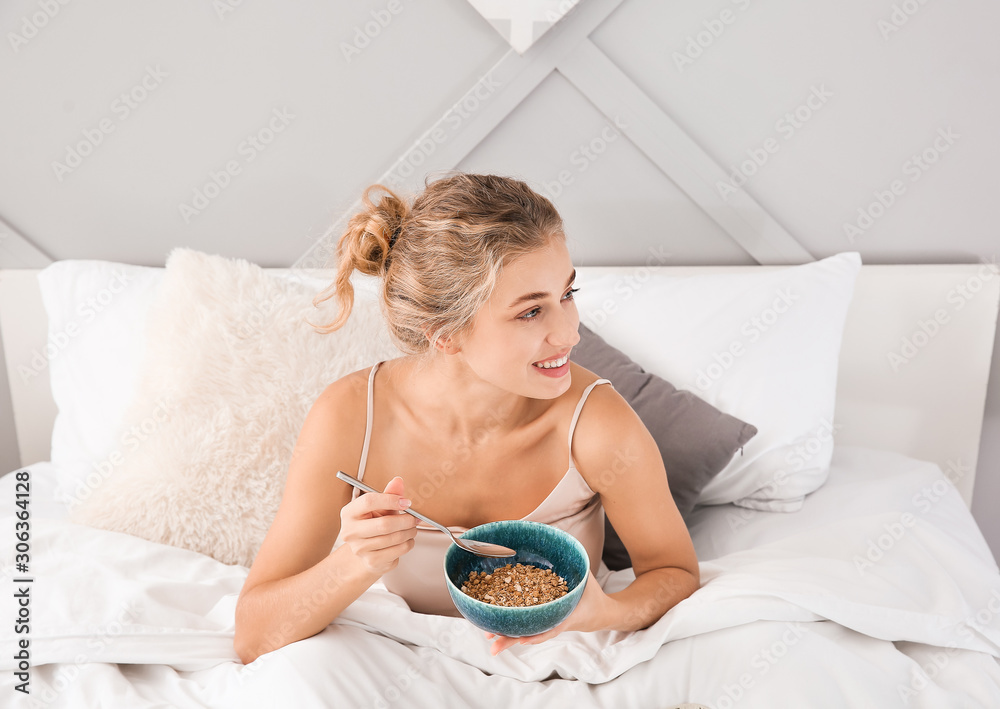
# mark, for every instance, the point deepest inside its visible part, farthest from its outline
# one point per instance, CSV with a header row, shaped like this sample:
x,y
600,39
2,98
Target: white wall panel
x,y
889,98
353,115
619,208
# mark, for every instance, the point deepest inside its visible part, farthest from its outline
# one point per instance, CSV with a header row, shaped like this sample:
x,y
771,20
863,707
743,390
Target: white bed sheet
x,y
880,592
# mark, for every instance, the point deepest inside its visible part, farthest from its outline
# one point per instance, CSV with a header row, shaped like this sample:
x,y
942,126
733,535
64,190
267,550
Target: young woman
x,y
482,420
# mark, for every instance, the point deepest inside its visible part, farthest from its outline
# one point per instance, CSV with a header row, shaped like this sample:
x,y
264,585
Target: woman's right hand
x,y
376,529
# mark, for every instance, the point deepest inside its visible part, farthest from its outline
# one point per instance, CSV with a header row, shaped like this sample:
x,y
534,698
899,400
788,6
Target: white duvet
x,y
881,592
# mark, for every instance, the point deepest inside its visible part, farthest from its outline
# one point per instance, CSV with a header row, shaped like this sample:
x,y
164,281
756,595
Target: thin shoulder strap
x,y
368,424
576,414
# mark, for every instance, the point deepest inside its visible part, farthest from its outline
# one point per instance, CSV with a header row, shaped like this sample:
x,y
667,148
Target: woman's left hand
x,y
590,614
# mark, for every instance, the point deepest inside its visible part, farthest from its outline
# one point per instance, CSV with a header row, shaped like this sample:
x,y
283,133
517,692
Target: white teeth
x,y
553,364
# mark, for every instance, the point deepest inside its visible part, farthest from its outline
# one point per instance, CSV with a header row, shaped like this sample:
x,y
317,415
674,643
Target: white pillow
x,y
763,346
96,312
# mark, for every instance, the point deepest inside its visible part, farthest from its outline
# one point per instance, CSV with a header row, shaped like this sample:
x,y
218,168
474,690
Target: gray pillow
x,y
695,439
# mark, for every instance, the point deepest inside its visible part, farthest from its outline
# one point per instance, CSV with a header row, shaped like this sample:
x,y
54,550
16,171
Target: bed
x,y
850,573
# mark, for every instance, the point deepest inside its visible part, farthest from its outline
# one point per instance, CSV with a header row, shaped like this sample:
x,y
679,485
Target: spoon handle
x,y
368,488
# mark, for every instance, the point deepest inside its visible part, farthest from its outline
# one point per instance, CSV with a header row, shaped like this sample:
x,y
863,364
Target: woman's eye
x,y
532,314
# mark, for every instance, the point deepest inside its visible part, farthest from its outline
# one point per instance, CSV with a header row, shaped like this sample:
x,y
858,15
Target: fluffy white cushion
x,y
762,345
231,369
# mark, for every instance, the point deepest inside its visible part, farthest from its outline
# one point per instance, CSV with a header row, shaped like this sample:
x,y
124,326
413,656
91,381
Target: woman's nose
x,y
567,332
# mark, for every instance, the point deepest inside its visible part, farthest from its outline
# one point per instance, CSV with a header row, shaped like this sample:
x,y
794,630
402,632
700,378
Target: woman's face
x,y
531,318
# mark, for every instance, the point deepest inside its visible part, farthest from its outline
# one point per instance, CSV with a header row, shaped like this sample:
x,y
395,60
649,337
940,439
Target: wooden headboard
x,y
940,319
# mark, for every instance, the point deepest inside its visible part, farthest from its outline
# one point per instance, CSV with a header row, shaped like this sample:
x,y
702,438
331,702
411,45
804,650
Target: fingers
x,y
502,643
367,526
376,529
540,638
381,554
374,533
378,503
363,541
395,487
385,560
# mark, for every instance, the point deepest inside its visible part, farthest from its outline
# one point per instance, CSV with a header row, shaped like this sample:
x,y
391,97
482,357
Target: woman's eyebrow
x,y
538,295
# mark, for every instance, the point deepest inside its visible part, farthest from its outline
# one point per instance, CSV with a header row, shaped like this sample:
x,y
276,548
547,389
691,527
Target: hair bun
x,y
460,232
373,231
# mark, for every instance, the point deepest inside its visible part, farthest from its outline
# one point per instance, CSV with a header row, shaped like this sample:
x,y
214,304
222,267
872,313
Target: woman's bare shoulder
x,y
582,378
603,399
608,429
349,388
347,397
600,396
338,412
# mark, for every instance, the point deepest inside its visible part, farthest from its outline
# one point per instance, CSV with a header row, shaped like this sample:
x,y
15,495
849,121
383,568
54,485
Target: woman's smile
x,y
556,367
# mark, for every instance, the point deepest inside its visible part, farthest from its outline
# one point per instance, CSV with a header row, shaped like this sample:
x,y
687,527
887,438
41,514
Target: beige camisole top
x,y
571,506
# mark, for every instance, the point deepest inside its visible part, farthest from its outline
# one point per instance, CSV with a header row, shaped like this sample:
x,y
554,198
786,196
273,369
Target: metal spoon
x,y
480,548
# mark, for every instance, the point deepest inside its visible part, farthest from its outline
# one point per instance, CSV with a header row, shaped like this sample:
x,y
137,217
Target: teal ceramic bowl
x,y
536,544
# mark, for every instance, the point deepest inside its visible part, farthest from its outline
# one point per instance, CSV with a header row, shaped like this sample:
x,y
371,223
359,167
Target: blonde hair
x,y
451,245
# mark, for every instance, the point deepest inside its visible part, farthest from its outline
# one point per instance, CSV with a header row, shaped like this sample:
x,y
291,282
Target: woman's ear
x,y
446,345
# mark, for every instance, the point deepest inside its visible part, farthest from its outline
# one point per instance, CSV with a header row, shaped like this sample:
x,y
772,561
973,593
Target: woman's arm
x,y
296,586
619,459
